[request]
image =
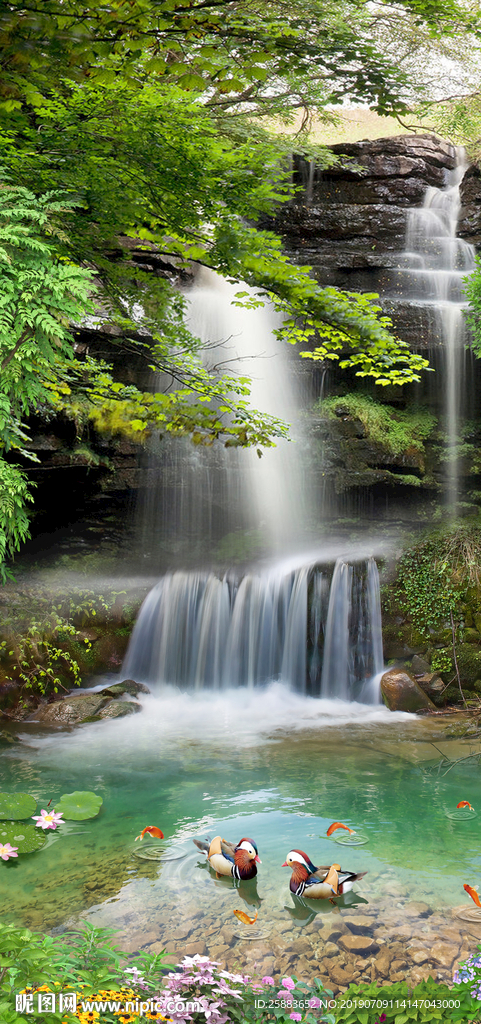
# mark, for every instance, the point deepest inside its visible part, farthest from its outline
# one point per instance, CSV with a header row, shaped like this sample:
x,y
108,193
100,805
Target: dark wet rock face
x,y
351,218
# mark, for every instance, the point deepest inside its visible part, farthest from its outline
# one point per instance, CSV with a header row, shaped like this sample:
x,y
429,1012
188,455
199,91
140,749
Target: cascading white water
x,y
436,265
214,497
353,653
196,631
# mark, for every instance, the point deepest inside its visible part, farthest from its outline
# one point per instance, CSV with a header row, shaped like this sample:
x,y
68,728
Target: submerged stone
x,y
401,692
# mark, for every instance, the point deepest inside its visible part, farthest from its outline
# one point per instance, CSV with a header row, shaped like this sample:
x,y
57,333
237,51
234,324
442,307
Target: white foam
x,y
240,718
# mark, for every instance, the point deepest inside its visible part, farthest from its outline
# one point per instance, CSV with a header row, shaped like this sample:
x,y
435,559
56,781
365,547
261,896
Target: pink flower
x,y
295,1016
288,983
285,994
268,980
8,851
48,819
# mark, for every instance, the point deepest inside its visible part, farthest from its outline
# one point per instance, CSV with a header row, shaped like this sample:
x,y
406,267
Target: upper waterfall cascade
x,y
196,630
435,266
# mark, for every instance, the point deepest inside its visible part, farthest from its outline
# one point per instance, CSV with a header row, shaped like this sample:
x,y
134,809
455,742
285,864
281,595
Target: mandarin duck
x,y
227,859
318,883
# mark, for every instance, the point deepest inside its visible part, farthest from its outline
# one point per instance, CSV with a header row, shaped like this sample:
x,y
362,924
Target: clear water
x,y
271,765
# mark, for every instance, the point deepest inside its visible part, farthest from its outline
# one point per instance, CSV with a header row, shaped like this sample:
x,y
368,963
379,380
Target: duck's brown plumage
x,y
227,858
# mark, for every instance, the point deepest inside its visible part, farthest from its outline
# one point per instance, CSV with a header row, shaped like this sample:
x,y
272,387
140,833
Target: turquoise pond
x,y
271,765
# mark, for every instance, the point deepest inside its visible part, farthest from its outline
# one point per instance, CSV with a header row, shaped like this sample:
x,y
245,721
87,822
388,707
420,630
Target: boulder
x,y
419,665
118,709
431,683
126,686
401,692
71,710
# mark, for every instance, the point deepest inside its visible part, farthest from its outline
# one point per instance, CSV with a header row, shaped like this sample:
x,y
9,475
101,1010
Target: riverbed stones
x,y
401,692
356,944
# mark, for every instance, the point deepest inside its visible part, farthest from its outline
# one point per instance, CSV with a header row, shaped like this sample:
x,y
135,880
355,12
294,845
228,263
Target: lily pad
x,y
27,838
17,805
79,805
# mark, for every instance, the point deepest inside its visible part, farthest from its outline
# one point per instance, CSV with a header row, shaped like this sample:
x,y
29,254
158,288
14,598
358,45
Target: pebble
x,y
358,944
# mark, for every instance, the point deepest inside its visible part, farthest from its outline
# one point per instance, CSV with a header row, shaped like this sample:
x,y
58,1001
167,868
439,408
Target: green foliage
x,y
79,805
38,660
433,577
17,805
426,1002
264,57
396,430
141,114
25,838
85,960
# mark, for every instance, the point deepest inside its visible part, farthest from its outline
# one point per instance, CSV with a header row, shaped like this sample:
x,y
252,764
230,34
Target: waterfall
x,y
197,631
436,264
231,501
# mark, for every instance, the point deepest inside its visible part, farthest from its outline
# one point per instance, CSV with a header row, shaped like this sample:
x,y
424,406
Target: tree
x,y
255,51
140,111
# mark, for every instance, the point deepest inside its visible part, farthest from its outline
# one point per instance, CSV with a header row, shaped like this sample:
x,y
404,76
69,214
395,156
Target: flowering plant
x,y
201,993
470,972
7,851
48,819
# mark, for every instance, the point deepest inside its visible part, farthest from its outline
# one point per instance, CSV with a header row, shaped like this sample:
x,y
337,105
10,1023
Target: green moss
x,y
396,430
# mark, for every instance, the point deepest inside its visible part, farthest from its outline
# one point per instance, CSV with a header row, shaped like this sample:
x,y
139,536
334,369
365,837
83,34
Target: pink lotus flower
x,y
8,851
48,819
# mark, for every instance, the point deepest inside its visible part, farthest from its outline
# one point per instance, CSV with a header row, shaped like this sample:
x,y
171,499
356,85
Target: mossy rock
x,y
469,662
118,709
126,686
471,636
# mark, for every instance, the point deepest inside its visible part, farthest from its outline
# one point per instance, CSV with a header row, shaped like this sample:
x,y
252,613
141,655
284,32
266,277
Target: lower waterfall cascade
x,y
321,637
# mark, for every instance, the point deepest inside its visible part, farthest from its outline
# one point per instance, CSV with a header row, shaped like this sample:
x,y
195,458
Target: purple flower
x,y
295,1016
285,994
268,980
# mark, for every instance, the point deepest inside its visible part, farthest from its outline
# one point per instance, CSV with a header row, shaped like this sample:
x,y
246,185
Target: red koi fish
x,y
464,803
472,892
337,824
245,917
152,830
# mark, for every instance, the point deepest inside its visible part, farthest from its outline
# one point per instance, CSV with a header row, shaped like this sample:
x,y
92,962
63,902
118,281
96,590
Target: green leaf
x,y
17,805
79,805
27,838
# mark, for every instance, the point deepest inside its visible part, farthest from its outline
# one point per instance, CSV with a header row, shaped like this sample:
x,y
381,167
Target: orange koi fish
x,y
245,917
472,892
464,803
337,824
152,830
